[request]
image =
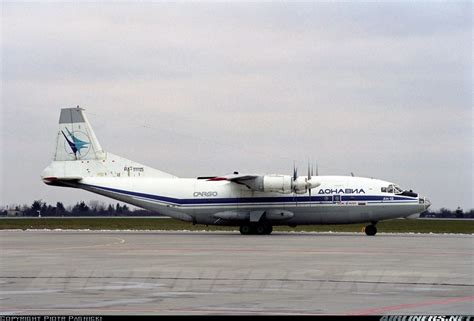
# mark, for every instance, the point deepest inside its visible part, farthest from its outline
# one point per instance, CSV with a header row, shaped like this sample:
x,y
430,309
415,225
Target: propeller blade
x,y
310,174
295,172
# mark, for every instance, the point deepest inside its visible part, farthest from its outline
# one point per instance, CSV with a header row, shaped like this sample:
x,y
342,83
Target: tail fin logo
x,y
78,143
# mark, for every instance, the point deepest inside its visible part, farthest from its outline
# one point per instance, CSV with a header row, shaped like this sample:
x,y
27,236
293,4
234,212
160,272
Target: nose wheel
x,y
370,230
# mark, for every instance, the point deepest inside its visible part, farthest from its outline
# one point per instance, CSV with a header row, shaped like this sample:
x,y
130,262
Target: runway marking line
x,y
240,280
120,241
293,250
197,311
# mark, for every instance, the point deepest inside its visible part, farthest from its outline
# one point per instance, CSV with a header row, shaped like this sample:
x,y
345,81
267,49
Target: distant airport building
x,y
12,213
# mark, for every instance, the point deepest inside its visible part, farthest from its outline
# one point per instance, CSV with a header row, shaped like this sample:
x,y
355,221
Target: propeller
x,y
310,183
297,185
303,184
310,174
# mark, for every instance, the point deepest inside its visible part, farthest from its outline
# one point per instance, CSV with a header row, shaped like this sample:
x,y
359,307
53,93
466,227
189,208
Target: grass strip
x,y
131,223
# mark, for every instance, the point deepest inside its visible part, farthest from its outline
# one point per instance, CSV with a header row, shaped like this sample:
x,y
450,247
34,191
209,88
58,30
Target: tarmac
x,y
225,273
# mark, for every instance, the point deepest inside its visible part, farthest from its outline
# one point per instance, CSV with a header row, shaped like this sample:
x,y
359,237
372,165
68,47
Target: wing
x,y
251,181
274,183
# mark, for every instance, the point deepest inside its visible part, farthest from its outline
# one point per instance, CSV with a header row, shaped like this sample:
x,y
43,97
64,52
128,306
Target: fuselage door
x,y
336,199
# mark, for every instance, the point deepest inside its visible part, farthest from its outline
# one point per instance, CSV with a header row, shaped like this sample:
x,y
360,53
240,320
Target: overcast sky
x,y
379,89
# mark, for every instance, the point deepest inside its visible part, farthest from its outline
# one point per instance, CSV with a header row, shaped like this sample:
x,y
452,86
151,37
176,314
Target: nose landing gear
x,y
370,230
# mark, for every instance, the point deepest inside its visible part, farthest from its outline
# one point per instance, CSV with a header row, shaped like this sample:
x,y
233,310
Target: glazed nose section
x,y
425,201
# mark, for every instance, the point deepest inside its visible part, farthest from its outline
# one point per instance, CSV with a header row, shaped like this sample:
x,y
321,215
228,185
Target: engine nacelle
x,y
283,184
277,183
300,185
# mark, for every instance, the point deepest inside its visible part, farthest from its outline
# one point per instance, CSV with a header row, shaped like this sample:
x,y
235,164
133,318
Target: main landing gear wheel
x,y
269,229
259,229
245,229
370,230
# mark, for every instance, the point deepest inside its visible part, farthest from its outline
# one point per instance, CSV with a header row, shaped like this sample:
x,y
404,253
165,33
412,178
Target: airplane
x,y
256,203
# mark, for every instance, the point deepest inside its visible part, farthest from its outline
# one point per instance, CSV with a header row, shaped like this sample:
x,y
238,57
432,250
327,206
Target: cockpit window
x,y
392,189
398,190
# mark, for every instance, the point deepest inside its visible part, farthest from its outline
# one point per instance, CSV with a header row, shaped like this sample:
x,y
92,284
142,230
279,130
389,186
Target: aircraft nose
x,y
425,201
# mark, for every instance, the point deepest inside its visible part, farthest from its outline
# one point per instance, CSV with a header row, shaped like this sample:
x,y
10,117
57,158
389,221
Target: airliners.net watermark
x,y
426,318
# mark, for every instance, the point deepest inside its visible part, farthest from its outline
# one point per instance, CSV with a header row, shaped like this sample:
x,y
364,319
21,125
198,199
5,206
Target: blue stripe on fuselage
x,y
247,200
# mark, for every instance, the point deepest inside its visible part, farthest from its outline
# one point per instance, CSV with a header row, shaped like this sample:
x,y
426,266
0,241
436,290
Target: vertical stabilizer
x,y
79,155
76,139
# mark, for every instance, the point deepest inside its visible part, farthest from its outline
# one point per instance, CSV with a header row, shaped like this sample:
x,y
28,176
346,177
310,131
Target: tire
x,y
269,229
245,229
261,229
370,230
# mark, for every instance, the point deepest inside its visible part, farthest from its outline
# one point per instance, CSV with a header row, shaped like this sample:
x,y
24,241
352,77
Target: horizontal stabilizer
x,y
67,181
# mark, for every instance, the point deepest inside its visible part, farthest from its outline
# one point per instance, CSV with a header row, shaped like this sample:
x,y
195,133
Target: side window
x,y
384,190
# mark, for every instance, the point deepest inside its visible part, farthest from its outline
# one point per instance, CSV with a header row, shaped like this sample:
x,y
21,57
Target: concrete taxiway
x,y
132,272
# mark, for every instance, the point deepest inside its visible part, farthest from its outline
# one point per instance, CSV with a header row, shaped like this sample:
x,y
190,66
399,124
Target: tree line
x,y
96,208
446,213
92,208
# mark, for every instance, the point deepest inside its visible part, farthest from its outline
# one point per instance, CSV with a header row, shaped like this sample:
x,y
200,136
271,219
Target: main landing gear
x,y
371,230
256,228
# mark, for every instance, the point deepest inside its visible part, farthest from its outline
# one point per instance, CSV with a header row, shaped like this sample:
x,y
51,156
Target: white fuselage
x,y
338,200
255,202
